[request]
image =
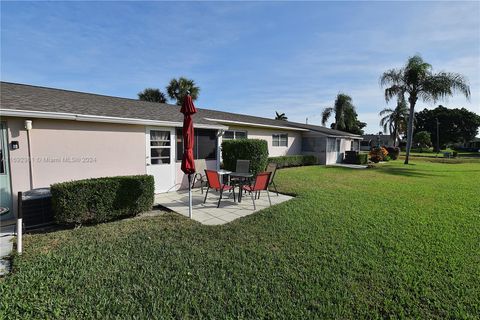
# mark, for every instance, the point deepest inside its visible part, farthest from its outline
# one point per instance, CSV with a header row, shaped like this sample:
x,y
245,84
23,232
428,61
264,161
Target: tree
x,y
395,120
455,125
280,116
345,115
423,139
152,95
417,80
179,88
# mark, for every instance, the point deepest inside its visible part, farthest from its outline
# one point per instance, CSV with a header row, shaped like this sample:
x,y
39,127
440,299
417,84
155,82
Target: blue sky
x,y
253,58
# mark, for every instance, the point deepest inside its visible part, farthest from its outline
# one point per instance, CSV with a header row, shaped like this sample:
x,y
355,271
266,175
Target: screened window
x,y
234,134
205,144
160,147
308,144
280,140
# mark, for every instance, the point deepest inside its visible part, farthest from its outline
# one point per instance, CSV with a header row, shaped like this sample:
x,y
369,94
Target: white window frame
x,y
160,147
235,134
279,140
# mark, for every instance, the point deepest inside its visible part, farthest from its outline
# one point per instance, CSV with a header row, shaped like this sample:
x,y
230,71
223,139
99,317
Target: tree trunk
x,y
412,100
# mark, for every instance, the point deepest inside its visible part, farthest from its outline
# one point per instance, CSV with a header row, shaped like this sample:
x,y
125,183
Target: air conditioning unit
x,y
36,207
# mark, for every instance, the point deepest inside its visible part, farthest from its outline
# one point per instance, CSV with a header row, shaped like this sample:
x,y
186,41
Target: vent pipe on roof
x,y
306,120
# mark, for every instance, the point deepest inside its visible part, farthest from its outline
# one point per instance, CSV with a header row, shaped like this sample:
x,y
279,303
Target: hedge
x,y
101,199
255,150
362,158
393,152
293,161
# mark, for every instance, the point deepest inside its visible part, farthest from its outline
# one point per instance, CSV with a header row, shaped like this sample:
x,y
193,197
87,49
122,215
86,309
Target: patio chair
x,y
272,168
242,166
213,182
261,183
200,166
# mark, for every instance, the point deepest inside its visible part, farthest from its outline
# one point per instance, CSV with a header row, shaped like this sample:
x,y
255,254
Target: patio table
x,y
243,176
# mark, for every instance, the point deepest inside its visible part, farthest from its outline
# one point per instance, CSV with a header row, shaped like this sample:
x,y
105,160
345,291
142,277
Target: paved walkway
x,y
6,247
208,213
351,166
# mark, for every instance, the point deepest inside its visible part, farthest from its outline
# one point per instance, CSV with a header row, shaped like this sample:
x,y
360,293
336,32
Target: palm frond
x,y
327,112
445,84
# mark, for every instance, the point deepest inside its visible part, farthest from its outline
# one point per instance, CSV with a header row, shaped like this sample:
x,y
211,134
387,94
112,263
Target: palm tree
x,y
179,88
152,95
280,116
417,80
395,120
345,114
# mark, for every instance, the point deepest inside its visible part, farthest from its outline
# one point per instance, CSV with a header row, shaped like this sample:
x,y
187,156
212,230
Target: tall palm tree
x,y
395,120
152,95
280,116
179,88
417,80
345,114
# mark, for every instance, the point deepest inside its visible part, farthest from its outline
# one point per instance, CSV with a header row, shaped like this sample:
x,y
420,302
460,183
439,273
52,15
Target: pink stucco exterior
x,y
70,150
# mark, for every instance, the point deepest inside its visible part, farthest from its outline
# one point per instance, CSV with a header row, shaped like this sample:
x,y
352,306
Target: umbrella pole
x,y
190,196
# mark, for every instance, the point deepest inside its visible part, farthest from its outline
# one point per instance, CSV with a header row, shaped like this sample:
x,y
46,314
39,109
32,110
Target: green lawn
x,y
393,241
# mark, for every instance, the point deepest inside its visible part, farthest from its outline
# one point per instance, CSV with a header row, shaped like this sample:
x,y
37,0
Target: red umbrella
x,y
188,162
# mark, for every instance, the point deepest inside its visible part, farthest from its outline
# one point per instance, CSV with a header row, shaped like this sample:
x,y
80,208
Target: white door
x,y
339,155
160,158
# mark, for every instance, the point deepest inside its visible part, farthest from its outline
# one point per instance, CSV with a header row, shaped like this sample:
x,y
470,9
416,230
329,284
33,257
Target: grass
x,y
394,241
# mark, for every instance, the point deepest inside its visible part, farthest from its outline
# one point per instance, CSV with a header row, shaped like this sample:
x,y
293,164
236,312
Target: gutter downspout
x,y
28,127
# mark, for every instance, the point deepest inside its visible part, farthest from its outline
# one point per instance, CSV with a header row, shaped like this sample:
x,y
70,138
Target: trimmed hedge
x,y
101,199
255,150
393,152
293,161
362,158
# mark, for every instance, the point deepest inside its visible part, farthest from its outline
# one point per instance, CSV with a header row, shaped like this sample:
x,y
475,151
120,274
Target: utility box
x,y
36,208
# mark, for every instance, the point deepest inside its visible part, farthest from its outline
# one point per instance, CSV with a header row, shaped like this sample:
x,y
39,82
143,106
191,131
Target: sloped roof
x,y
14,96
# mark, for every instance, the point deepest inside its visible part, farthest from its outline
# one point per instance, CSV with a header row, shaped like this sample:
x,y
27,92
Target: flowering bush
x,y
378,154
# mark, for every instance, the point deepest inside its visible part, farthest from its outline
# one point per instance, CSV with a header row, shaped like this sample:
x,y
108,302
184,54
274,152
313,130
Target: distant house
x,y
372,140
473,145
79,135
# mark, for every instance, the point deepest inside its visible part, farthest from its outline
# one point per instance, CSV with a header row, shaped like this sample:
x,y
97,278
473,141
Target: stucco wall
x,y
69,150
294,146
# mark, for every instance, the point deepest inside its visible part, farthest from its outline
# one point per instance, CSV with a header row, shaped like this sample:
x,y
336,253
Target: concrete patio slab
x,y
208,213
6,247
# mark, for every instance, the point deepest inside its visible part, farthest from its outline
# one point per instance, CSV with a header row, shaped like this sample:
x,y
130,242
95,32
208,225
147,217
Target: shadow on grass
x,y
406,172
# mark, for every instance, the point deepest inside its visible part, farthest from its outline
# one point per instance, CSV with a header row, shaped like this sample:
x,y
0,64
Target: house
x,y
372,140
73,135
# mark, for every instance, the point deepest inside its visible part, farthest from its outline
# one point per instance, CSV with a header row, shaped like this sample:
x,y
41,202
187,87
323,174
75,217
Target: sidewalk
x,y
6,247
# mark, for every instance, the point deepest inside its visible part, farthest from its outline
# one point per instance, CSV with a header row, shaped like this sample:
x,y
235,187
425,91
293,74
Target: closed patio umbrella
x,y
188,163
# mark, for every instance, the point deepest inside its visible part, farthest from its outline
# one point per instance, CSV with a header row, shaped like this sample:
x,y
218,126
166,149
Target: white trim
x,y
256,124
93,118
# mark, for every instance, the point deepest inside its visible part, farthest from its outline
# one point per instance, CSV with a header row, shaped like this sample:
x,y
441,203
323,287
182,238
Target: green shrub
x,y
393,152
101,199
293,161
255,150
362,158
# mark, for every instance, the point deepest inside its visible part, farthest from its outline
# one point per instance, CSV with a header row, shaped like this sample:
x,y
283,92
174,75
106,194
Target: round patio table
x,y
242,177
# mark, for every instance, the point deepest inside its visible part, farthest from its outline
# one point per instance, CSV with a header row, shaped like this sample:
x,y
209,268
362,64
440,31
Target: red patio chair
x,y
214,183
261,183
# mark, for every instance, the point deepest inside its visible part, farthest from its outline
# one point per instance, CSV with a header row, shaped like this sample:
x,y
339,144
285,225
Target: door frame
x,y
172,163
8,174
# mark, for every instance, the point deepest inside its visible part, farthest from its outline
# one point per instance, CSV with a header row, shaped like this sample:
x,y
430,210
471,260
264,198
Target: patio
x,y
208,213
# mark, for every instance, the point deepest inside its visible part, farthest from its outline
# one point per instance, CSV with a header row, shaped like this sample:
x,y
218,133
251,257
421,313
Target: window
x,y
308,144
338,145
205,144
234,134
159,147
280,140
